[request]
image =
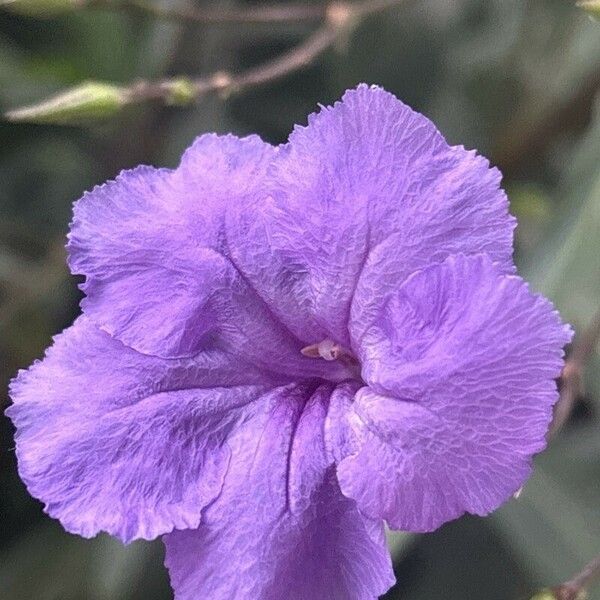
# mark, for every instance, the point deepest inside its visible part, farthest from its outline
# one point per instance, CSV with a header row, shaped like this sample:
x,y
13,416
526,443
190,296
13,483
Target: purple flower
x,y
282,348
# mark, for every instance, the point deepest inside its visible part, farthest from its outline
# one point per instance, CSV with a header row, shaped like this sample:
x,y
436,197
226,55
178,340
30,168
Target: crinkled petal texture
x,y
460,365
358,200
112,440
159,273
151,245
282,516
312,235
181,404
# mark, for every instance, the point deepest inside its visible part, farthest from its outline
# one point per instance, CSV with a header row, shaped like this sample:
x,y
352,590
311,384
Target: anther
x,y
326,349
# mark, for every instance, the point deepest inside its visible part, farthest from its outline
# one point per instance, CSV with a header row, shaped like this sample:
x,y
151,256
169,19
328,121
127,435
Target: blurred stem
x,y
99,99
571,377
339,19
576,587
215,15
227,84
271,14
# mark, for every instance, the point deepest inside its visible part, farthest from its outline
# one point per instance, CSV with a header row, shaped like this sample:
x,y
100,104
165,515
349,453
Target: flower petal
x,y
369,187
281,528
460,364
150,245
113,440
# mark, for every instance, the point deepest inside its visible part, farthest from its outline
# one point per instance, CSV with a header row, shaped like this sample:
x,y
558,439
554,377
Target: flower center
x,y
332,351
327,349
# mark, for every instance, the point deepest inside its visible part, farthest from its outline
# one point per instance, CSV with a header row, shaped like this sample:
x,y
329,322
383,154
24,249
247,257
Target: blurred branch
x,y
571,378
573,588
339,19
227,84
214,15
97,99
576,588
208,15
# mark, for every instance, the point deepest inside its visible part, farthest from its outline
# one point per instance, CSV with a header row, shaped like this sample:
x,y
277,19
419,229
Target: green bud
x,y
592,7
40,8
181,91
88,101
544,595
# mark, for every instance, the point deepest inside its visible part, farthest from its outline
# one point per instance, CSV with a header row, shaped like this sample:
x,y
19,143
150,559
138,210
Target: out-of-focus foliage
x,y
88,100
517,79
590,6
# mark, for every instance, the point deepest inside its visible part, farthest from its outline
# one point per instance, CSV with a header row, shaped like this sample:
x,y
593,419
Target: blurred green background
x,y
516,79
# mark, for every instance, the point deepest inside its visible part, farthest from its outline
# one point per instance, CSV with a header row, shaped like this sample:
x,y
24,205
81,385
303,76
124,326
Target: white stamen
x,y
327,349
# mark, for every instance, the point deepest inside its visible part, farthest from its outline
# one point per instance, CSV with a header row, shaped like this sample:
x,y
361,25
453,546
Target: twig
x,y
340,17
270,14
572,374
94,100
217,16
578,585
